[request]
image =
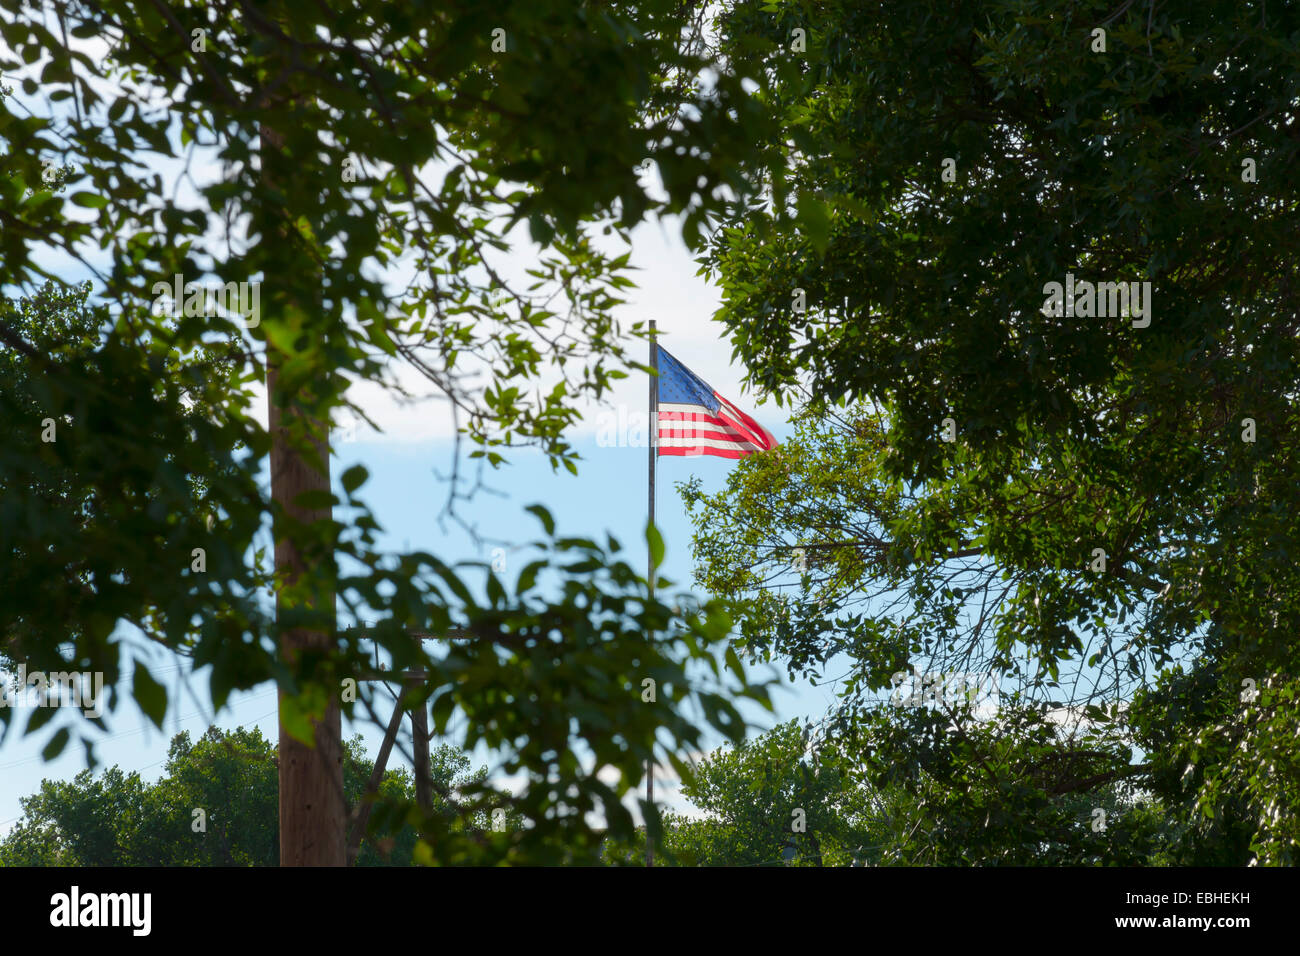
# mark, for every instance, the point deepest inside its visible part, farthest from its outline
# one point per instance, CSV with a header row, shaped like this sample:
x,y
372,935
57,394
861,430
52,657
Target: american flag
x,y
696,420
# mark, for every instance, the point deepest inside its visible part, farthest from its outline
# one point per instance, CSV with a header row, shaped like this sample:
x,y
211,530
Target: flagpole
x,y
652,434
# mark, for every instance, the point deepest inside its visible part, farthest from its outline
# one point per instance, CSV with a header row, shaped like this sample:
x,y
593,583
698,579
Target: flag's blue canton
x,y
679,385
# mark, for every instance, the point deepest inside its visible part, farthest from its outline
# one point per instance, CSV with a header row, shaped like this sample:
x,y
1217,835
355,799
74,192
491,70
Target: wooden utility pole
x,y
361,813
412,679
420,743
313,813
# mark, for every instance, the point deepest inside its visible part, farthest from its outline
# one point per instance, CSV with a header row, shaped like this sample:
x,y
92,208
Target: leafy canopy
x,y
373,159
1167,449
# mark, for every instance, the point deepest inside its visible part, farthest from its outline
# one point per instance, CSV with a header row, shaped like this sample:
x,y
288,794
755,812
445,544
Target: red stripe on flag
x,y
762,437
717,452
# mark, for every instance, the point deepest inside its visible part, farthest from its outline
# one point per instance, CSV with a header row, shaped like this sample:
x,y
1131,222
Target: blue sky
x,y
607,496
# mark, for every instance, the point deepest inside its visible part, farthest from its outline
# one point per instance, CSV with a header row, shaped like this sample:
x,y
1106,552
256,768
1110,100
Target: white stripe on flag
x,y
707,443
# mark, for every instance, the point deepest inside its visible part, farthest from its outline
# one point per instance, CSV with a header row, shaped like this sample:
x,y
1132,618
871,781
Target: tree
x,y
80,823
771,800
215,805
353,139
88,492
1127,477
831,570
766,796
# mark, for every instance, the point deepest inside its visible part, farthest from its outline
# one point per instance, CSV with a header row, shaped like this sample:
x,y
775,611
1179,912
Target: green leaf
x,y
656,543
89,200
315,499
443,707
528,576
295,721
150,695
733,662
544,516
354,478
814,221
56,744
